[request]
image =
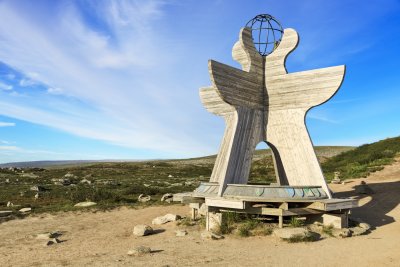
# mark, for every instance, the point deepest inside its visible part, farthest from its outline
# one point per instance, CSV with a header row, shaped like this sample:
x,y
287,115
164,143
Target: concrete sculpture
x,y
262,102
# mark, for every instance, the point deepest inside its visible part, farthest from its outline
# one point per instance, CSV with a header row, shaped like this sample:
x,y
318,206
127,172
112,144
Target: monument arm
x,y
236,87
304,89
213,102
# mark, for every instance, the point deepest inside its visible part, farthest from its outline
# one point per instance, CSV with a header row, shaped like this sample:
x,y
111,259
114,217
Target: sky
x,y
120,79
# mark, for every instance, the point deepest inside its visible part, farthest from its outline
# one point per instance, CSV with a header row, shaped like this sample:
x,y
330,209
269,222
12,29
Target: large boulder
x,y
25,210
288,233
85,204
5,213
356,231
341,233
144,198
165,219
142,230
166,197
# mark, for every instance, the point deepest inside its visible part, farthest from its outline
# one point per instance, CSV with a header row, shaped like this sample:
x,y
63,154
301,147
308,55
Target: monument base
x,y
285,204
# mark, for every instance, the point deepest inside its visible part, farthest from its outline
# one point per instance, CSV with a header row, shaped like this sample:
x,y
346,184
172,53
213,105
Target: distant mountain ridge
x,y
323,151
50,163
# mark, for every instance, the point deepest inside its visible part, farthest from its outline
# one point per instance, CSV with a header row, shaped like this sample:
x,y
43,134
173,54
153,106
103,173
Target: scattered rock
x,y
165,219
5,213
364,225
85,181
25,210
22,193
143,198
170,176
356,231
342,233
10,204
37,188
85,204
139,251
166,196
69,175
52,242
287,233
363,188
211,235
7,181
181,233
142,230
48,235
37,196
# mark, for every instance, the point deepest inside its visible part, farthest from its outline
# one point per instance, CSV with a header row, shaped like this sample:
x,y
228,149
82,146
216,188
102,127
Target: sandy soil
x,y
103,238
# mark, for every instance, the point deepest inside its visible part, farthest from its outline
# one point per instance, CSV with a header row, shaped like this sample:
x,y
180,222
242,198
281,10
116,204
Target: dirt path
x,y
103,238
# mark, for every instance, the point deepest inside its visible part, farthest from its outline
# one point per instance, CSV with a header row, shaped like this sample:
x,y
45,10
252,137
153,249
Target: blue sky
x,y
120,79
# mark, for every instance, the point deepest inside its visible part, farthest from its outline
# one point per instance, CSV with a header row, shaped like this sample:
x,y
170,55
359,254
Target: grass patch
x,y
328,230
363,160
296,222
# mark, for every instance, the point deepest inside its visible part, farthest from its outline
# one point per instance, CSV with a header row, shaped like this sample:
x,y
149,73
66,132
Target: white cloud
x,y
7,124
116,85
6,87
54,91
27,82
9,148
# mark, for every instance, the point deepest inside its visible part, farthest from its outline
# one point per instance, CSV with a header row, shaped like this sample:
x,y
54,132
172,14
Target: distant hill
x,y
363,160
323,152
53,163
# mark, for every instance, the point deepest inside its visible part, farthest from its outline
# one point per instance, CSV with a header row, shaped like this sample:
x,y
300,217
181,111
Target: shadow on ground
x,y
385,197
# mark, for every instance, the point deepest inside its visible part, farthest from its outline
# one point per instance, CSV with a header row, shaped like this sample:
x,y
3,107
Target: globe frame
x,y
256,24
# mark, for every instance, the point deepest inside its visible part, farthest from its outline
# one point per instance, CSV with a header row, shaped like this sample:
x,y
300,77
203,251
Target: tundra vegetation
x,y
113,184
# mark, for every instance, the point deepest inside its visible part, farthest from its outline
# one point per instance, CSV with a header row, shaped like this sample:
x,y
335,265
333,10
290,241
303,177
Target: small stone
x,y
48,235
139,251
52,242
165,219
37,188
342,233
211,235
37,196
142,230
287,233
170,176
143,198
85,181
10,204
166,196
25,210
85,204
181,233
356,231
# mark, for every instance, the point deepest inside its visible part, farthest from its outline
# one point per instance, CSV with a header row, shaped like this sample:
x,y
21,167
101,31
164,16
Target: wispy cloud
x,y
9,148
7,124
6,87
26,82
111,80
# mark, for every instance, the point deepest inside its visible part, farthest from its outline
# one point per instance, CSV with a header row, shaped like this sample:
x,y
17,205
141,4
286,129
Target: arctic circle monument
x,y
262,102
